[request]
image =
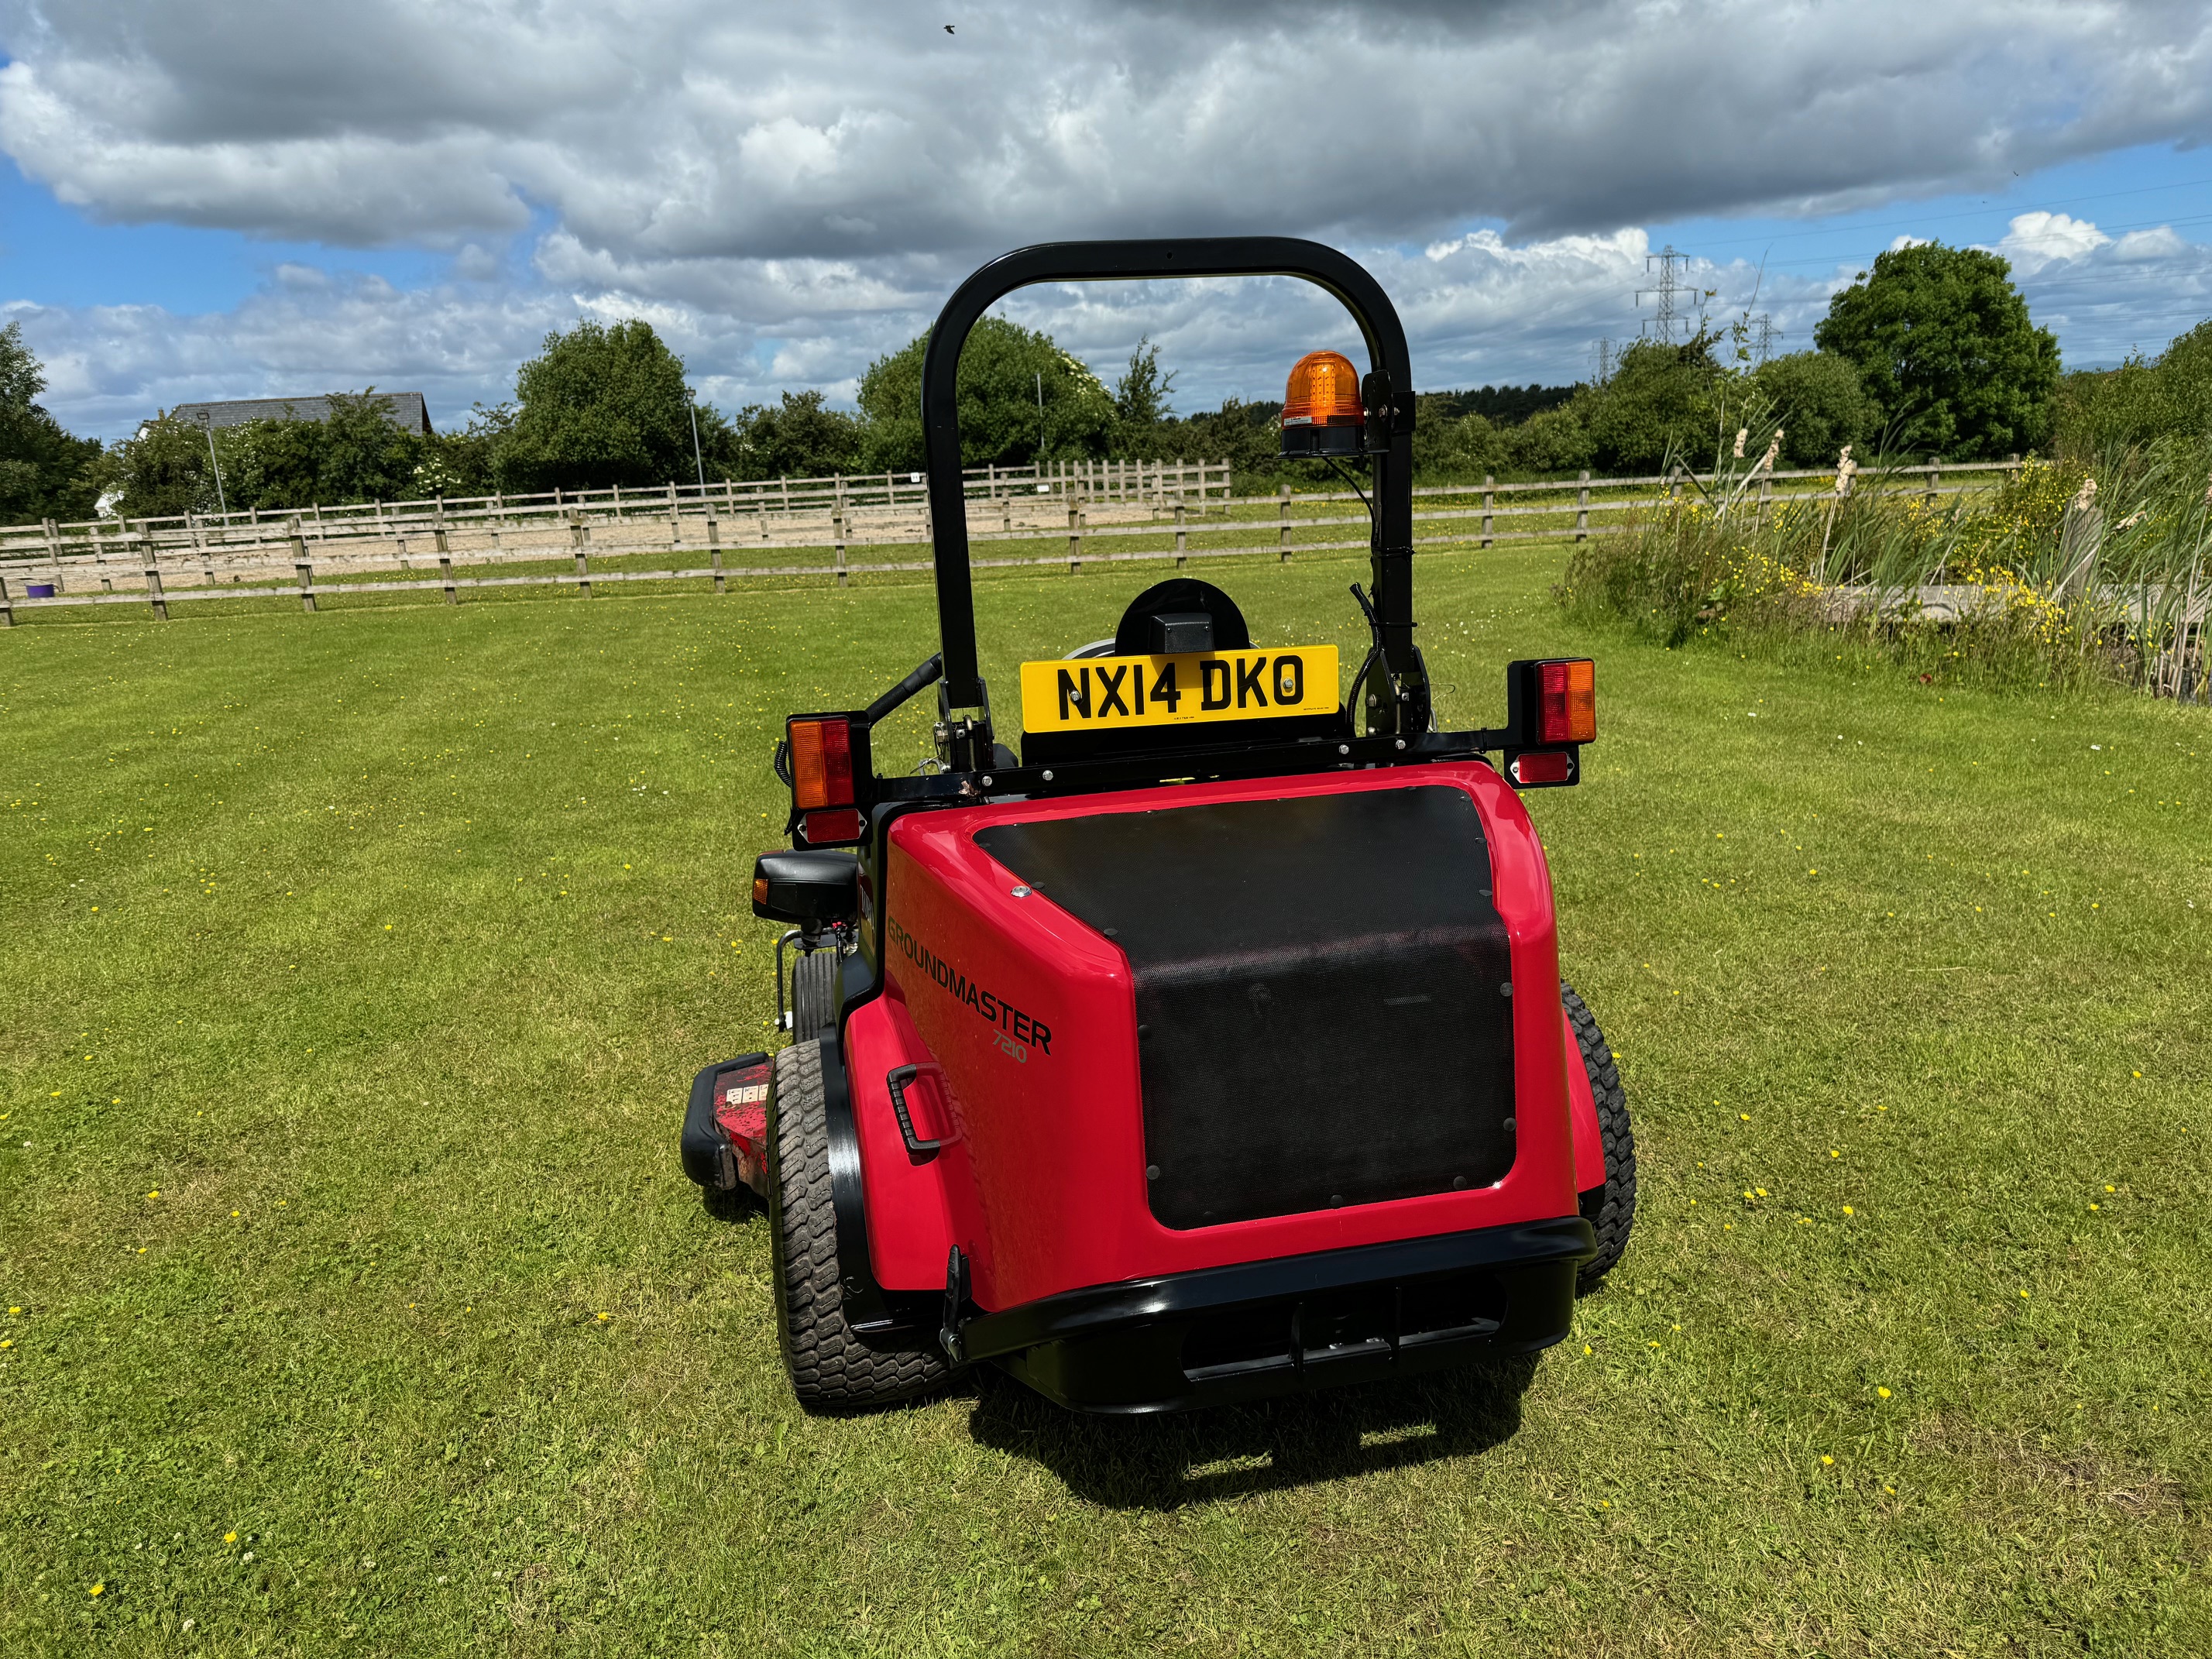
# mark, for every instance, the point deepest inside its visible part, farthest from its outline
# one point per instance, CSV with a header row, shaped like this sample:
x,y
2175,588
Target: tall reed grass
x,y
2069,571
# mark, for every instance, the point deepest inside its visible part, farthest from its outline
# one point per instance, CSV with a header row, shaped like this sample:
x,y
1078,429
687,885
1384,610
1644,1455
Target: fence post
x,y
1765,491
6,605
1673,483
1183,541
154,590
307,584
446,576
1283,499
714,546
1935,480
837,534
1582,507
2012,467
1488,504
579,535
1074,538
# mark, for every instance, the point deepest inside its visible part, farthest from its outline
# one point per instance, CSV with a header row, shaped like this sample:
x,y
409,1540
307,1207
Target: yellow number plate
x,y
1105,694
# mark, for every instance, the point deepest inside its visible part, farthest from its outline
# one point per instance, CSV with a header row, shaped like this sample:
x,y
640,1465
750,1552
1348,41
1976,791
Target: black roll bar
x,y
1387,393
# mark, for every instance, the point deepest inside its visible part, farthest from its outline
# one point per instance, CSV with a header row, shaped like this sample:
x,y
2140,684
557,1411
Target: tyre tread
x,y
831,1368
1613,1215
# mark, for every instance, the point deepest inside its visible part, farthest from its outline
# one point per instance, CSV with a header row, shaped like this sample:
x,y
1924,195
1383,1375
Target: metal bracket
x,y
956,1300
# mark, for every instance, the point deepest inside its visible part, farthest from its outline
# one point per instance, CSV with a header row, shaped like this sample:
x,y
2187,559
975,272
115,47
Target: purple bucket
x,y
39,590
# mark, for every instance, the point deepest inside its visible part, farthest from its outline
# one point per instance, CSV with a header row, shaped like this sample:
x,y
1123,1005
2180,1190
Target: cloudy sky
x,y
266,197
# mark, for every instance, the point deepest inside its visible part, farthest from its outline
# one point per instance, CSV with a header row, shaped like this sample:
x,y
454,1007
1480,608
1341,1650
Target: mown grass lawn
x,y
355,966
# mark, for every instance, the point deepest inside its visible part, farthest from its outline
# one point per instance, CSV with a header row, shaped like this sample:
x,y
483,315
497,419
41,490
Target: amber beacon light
x,y
1322,412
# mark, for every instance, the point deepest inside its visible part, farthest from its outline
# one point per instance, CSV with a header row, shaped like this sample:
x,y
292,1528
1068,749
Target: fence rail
x,y
1126,481
1458,514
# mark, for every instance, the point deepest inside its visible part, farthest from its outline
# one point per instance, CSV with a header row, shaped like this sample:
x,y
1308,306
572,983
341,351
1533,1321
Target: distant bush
x,y
2170,396
1817,397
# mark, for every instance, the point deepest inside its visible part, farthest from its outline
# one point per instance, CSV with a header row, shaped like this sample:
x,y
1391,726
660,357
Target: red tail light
x,y
821,764
1566,701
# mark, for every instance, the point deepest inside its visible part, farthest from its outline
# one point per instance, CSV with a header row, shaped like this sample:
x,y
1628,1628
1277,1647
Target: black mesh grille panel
x,y
1321,1008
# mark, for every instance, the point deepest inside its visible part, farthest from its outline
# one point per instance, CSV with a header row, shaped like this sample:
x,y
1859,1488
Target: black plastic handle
x,y
896,1080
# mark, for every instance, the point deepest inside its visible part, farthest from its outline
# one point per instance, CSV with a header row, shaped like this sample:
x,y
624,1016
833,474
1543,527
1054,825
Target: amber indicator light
x,y
1323,391
821,764
1566,701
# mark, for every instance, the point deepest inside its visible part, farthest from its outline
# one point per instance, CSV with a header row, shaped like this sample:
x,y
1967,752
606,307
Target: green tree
x,y
465,461
1947,351
1817,398
1006,372
2141,400
602,405
44,471
163,470
1449,447
1141,409
1551,439
1663,400
1248,435
365,458
271,463
800,437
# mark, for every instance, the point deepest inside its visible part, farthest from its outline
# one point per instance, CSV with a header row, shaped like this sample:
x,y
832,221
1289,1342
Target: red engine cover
x,y
1022,1017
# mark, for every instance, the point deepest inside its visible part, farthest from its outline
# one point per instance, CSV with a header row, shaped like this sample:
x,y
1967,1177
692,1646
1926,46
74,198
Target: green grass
x,y
382,945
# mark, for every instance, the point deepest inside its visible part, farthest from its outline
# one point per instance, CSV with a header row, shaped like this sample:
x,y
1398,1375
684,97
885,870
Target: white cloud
x,y
2036,239
788,192
2138,245
684,130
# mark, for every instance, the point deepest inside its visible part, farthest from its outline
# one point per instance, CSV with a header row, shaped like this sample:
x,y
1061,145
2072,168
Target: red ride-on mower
x,y
1212,1048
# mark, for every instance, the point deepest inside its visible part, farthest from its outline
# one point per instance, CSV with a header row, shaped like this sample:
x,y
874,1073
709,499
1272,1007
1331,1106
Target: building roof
x,y
404,409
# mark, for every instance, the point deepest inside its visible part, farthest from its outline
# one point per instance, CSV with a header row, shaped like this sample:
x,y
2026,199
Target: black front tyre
x,y
1610,1209
815,994
831,1368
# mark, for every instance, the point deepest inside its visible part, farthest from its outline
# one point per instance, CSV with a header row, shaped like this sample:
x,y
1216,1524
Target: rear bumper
x,y
1257,1328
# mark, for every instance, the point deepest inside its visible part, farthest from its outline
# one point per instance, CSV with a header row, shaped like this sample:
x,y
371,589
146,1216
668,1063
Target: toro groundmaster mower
x,y
1214,1046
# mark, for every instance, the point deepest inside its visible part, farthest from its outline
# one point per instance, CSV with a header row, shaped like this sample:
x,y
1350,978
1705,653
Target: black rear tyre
x,y
815,992
831,1368
1610,1209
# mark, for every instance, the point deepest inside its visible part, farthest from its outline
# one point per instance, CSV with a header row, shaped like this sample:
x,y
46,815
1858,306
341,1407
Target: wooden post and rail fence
x,y
750,530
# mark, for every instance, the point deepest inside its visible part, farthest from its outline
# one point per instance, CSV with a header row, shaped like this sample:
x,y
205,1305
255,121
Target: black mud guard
x,y
706,1151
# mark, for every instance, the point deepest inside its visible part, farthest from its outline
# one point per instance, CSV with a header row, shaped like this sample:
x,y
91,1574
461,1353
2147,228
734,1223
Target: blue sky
x,y
212,197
